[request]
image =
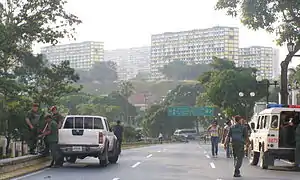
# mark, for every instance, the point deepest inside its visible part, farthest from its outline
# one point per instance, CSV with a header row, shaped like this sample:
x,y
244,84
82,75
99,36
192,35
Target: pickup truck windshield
x,y
83,123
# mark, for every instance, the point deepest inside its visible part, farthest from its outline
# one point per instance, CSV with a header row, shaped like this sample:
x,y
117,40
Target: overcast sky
x,y
130,23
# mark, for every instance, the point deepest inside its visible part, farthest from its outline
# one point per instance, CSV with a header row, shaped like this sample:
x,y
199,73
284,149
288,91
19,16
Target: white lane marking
x,y
285,161
205,151
31,174
136,164
158,151
150,155
116,178
207,156
212,165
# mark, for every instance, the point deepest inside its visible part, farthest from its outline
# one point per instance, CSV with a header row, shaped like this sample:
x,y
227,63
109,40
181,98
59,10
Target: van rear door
x,y
80,130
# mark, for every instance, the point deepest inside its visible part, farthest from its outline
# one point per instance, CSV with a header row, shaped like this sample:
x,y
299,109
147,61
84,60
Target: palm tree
x,y
126,89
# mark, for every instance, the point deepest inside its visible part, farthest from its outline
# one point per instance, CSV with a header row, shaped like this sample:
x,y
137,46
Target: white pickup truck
x,y
82,136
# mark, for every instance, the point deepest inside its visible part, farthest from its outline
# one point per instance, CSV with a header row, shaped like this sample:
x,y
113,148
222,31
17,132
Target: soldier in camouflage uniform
x,y
33,121
239,136
56,116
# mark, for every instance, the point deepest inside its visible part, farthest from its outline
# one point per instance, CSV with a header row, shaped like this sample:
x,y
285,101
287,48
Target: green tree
x,y
126,89
23,23
179,70
280,16
101,72
223,84
46,84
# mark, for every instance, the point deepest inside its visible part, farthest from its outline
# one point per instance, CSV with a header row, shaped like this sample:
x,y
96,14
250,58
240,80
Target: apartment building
x,y
264,59
193,46
80,55
130,61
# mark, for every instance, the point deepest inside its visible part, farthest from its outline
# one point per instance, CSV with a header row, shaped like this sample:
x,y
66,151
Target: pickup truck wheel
x,y
113,159
103,158
71,159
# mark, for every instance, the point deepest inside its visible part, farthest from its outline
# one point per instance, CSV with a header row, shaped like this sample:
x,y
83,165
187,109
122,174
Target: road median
x,y
15,167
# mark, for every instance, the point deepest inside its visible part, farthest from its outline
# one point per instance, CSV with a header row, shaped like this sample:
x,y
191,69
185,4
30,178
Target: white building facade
x,y
80,55
130,62
195,46
264,59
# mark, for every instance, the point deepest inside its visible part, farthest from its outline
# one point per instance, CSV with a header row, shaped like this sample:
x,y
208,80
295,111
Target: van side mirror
x,y
252,125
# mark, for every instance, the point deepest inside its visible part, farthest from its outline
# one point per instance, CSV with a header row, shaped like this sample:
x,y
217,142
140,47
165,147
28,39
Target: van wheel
x,y
113,159
263,160
253,157
71,159
103,158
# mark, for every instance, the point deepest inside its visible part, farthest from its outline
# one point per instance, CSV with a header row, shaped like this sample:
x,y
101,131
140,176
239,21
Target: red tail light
x,y
101,138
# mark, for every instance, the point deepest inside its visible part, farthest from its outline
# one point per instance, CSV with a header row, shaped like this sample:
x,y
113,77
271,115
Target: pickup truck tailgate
x,y
78,136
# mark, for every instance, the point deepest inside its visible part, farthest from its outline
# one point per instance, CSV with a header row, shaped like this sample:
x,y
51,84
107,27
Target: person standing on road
x,y
33,122
118,131
225,132
239,136
51,133
214,132
160,137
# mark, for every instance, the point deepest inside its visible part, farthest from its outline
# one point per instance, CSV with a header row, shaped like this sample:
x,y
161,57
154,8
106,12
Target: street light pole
x,y
284,94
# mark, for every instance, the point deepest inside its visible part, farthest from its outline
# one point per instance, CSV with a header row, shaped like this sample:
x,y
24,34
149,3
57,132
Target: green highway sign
x,y
190,111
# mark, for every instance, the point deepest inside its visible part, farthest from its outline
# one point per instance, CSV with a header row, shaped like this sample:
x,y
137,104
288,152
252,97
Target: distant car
x,y
82,136
189,134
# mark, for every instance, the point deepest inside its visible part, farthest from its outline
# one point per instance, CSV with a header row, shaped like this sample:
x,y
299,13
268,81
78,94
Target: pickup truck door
x,y
110,135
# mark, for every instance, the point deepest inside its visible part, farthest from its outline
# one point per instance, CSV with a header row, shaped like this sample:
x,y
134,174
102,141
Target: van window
x,y
88,122
258,122
262,122
274,121
78,123
69,123
98,123
266,122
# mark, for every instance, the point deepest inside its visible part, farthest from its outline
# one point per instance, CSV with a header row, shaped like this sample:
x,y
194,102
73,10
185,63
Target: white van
x,y
273,134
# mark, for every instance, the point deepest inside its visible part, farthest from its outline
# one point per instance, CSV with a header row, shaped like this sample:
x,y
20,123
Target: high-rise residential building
x,y
80,55
193,46
130,61
261,58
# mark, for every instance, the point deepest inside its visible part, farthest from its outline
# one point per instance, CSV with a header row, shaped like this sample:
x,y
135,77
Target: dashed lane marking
x,y
212,165
116,179
158,151
150,155
285,161
136,164
207,156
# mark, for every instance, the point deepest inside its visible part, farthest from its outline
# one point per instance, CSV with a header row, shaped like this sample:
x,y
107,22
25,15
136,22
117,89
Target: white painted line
x,y
158,151
207,156
150,155
31,174
136,164
212,165
116,178
205,151
285,161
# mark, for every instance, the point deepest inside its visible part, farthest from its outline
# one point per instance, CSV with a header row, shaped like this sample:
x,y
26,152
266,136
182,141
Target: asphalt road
x,y
189,161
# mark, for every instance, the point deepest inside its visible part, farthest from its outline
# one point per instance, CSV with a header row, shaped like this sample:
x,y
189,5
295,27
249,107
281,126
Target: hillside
x,y
157,88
